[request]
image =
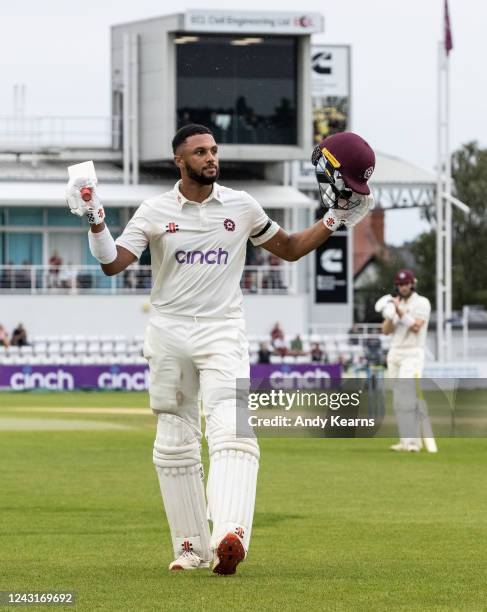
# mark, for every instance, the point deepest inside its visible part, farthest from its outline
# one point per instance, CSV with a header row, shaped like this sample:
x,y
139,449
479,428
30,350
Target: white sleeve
x,y
136,235
421,310
262,228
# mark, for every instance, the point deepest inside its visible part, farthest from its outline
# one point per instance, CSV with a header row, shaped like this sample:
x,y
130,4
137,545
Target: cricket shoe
x,y
398,447
228,554
188,560
409,447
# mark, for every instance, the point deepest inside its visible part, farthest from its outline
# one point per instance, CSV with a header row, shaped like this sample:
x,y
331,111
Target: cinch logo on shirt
x,y
195,257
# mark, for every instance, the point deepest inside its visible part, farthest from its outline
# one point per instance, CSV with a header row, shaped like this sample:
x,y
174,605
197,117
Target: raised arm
x,y
293,246
124,258
113,258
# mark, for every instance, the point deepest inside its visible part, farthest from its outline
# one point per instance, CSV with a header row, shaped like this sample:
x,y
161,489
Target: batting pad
x,y
231,489
184,501
180,472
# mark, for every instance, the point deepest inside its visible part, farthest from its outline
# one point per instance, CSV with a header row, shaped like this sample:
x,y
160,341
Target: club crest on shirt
x,y
172,227
229,225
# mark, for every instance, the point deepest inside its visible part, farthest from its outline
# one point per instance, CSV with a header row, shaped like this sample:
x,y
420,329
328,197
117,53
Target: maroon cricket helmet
x,y
404,277
355,156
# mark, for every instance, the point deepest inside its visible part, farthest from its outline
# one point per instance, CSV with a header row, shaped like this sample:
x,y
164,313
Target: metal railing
x,y
64,279
19,133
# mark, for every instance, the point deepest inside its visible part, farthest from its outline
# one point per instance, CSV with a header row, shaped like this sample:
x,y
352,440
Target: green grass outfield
x,y
339,524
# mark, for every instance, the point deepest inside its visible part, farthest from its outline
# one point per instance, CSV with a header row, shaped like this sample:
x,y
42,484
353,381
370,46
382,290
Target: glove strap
x,y
96,215
331,222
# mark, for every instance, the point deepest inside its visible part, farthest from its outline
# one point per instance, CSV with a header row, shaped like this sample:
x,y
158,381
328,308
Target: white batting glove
x,y
92,208
389,311
382,302
339,216
331,220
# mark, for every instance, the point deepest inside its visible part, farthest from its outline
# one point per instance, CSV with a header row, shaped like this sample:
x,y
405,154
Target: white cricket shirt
x,y
197,250
418,307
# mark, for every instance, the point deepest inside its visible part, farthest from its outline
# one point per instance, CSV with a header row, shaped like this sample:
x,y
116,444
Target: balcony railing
x,y
33,134
136,279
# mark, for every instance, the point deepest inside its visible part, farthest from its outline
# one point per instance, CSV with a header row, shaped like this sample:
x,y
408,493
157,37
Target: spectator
x,y
277,340
316,353
129,279
55,262
19,336
3,337
353,334
67,277
297,345
276,332
274,278
264,355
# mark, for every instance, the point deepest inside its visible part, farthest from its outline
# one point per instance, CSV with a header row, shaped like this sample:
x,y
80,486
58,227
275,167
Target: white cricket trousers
x,y
406,364
194,359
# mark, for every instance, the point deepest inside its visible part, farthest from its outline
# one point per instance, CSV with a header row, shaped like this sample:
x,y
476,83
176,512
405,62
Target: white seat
x,y
289,359
112,359
87,359
140,361
72,359
81,347
120,346
55,358
94,348
54,348
67,347
3,350
34,359
119,338
67,338
6,360
303,359
106,347
26,350
40,348
13,350
276,359
53,338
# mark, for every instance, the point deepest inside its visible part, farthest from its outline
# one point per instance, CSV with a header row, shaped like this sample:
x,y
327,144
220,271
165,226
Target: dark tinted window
x,y
242,88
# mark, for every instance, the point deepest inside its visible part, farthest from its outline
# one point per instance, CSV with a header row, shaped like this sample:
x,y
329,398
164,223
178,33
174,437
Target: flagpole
x,y
448,218
439,216
444,199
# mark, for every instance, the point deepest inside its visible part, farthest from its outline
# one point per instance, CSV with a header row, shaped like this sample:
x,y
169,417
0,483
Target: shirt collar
x,y
215,195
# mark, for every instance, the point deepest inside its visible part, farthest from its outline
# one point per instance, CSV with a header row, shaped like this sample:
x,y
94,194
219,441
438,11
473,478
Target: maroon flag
x,y
448,36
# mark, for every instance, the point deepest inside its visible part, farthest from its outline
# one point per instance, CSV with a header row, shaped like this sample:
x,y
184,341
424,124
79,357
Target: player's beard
x,y
200,177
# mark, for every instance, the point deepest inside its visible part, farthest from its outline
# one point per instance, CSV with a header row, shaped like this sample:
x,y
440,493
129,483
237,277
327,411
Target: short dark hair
x,y
186,131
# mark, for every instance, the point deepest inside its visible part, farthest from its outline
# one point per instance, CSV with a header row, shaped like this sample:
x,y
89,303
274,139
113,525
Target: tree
x,y
469,233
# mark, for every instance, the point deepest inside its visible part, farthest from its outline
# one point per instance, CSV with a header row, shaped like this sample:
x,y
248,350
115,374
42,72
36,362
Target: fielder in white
x,y
195,342
406,317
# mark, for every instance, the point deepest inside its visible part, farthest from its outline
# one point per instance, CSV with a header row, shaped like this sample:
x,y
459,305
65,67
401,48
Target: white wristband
x,y
331,222
407,320
102,246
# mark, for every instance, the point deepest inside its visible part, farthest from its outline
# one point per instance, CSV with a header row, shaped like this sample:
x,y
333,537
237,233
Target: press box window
x,y
242,88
